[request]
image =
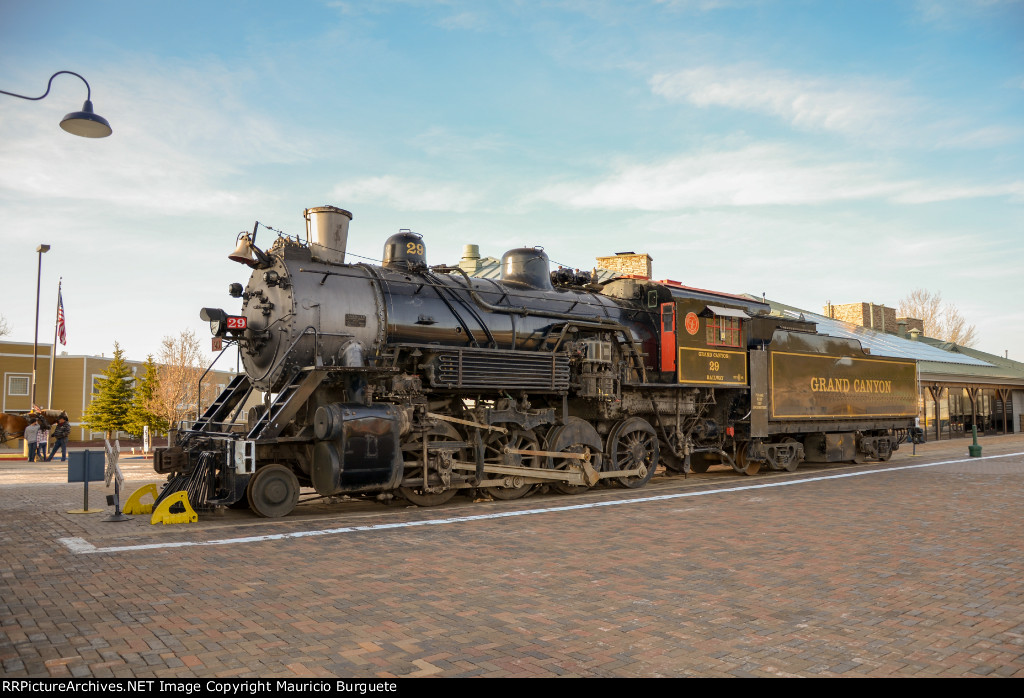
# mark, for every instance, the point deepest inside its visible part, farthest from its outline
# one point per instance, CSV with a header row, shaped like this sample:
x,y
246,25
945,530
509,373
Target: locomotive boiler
x,y
413,382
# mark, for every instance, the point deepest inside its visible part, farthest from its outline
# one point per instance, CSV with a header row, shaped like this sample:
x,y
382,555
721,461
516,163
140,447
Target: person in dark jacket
x,y
30,438
61,432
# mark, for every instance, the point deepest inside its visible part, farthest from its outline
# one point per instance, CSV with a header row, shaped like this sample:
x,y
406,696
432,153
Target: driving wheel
x,y
436,488
633,444
273,491
494,454
576,436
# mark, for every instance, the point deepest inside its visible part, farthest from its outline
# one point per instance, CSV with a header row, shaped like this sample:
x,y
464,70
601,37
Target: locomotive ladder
x,y
293,395
217,413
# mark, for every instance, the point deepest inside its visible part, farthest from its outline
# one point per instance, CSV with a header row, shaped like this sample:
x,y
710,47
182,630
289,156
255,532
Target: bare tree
x,y
941,320
180,363
5,329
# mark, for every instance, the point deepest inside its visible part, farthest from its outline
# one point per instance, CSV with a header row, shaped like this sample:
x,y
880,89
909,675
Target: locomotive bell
x,y
405,250
243,252
527,266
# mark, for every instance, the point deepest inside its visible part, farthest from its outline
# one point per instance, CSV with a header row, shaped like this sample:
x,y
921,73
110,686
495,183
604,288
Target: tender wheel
x,y
632,444
437,489
793,463
577,436
744,465
494,454
273,491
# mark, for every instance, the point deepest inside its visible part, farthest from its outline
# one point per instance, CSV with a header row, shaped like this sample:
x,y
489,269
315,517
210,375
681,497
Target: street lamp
x,y
85,123
42,249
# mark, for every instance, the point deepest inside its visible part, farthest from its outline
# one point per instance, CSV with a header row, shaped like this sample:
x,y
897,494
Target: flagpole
x,y
53,349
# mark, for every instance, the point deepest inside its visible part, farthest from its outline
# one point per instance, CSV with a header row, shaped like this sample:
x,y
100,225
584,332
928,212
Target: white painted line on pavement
x,y
81,546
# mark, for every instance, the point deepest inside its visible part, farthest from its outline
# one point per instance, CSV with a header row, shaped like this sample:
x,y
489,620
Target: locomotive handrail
x,y
316,344
483,325
199,384
465,326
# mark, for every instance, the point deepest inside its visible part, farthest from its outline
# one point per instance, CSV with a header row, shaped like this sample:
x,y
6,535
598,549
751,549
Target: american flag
x,y
62,332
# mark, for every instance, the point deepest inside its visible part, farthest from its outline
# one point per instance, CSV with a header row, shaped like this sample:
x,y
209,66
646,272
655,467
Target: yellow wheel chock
x,y
134,504
163,514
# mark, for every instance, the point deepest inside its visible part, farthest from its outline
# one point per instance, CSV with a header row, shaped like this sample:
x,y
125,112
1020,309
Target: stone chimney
x,y
629,263
876,317
913,323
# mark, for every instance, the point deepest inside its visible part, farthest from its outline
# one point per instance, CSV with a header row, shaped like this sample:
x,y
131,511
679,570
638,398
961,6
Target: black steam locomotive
x,y
410,381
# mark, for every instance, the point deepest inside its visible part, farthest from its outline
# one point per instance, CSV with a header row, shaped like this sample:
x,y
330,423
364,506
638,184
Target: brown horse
x,y
12,426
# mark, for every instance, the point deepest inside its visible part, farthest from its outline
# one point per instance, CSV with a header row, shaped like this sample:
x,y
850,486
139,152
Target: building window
x,y
723,331
17,386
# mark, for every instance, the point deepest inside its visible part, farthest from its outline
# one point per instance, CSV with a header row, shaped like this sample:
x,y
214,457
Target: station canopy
x,y
877,342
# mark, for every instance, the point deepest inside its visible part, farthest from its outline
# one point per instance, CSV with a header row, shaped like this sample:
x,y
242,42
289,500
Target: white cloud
x,y
407,194
704,5
466,21
854,107
985,137
949,12
757,175
752,176
872,111
439,141
929,192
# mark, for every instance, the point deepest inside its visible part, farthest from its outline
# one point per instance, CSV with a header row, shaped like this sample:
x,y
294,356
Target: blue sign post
x,y
85,466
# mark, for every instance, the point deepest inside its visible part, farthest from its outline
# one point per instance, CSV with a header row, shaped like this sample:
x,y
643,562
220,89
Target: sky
x,y
815,152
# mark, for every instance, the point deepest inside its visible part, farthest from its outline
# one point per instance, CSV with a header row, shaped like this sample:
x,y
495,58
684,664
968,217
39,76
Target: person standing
x,y
31,431
41,438
61,432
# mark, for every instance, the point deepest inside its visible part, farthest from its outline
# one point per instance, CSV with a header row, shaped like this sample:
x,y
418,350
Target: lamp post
x,y
42,249
85,123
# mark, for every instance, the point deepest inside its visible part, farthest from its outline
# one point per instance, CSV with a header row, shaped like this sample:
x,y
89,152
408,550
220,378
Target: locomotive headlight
x,y
217,319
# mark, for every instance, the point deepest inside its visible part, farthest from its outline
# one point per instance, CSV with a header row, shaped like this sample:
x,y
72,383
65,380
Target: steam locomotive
x,y
413,382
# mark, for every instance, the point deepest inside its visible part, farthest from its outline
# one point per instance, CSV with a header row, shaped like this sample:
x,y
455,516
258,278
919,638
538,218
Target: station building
x,y
74,382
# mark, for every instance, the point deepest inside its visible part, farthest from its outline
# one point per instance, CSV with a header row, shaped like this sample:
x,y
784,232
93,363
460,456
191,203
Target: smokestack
x,y
327,232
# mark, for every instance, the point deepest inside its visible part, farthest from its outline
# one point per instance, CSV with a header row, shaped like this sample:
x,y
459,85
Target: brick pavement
x,y
912,572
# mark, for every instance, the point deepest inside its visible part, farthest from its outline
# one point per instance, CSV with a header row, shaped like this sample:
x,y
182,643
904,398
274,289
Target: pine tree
x,y
141,412
108,411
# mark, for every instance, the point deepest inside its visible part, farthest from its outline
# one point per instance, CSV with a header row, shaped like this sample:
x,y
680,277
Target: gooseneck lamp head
x,y
85,123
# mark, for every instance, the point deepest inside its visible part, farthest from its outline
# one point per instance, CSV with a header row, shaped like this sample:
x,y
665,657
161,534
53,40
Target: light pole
x,y
42,249
85,123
